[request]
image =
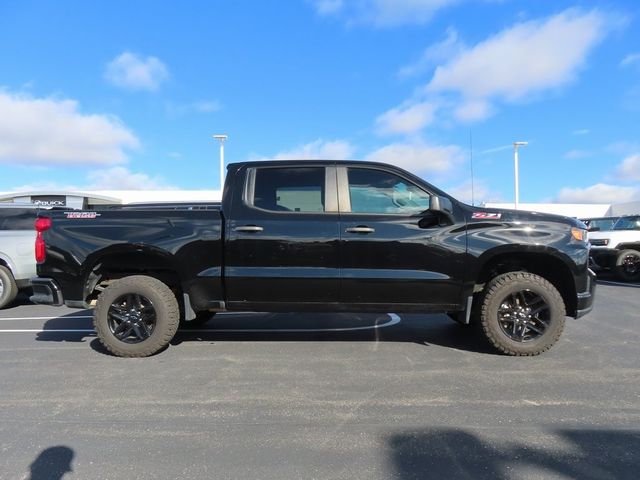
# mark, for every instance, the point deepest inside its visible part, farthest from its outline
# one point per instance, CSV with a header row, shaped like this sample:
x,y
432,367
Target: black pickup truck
x,y
316,236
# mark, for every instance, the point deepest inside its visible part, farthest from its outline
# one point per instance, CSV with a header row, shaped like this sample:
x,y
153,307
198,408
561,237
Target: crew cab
x,y
619,248
316,236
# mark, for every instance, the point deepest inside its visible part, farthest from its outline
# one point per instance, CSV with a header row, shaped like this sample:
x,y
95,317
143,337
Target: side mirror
x,y
440,204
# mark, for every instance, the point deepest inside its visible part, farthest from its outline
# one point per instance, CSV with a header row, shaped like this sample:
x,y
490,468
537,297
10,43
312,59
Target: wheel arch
x,y
5,261
119,261
544,262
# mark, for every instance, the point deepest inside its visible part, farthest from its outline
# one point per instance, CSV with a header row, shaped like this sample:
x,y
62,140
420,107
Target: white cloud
x,y
133,72
383,13
406,118
46,131
419,157
328,7
599,193
121,178
199,106
472,110
631,59
478,194
582,131
523,60
317,150
629,169
501,148
436,53
115,178
577,154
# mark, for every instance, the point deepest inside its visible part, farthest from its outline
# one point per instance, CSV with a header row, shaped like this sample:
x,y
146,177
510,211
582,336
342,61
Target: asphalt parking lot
x,y
294,396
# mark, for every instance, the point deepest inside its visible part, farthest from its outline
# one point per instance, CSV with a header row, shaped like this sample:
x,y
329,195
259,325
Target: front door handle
x,y
360,230
248,228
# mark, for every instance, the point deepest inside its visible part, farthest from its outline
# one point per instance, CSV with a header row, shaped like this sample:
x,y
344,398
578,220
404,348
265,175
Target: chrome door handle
x,y
248,228
360,230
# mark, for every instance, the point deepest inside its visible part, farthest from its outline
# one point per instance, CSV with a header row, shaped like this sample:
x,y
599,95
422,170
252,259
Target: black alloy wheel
x,y
136,316
132,318
628,265
521,313
524,316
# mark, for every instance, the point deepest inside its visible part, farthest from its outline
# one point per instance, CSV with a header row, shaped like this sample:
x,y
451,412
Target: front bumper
x,y
46,291
585,299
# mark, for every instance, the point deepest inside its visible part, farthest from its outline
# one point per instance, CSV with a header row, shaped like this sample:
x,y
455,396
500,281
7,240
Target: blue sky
x,y
126,94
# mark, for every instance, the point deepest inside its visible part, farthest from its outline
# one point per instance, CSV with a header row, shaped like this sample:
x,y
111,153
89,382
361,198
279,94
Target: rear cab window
x,y
288,189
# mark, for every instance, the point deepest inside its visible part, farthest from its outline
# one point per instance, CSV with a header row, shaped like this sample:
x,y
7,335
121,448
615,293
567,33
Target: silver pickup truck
x,y
17,260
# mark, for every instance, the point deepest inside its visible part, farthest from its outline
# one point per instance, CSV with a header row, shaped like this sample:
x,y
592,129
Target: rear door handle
x,y
248,228
360,230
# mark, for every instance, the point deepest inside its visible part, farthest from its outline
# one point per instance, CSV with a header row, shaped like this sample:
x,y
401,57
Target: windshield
x,y
600,224
628,223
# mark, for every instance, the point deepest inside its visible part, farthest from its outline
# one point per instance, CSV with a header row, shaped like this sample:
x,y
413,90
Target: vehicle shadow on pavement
x,y
607,278
52,463
337,327
454,453
293,327
68,328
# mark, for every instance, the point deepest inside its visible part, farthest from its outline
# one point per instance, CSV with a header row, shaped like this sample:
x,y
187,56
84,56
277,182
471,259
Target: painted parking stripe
x,y
39,330
393,320
13,319
621,284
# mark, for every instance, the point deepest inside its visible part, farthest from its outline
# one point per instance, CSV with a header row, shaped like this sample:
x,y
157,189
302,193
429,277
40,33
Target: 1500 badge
x,y
88,215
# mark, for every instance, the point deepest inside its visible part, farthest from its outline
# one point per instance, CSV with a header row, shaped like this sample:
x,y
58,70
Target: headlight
x,y
579,234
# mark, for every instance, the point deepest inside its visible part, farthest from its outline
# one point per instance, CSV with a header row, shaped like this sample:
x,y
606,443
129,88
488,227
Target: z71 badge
x,y
88,215
486,216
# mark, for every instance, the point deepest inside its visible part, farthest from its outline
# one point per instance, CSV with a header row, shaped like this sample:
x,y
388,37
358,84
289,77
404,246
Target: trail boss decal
x,y
486,216
88,215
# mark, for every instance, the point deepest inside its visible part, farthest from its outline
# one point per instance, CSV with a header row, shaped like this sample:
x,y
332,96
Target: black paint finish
x,y
240,257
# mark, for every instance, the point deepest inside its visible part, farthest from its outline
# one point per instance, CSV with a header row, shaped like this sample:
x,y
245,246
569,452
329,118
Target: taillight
x,y
42,224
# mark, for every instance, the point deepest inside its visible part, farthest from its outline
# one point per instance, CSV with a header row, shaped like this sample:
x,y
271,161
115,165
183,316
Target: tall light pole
x,y
515,166
222,139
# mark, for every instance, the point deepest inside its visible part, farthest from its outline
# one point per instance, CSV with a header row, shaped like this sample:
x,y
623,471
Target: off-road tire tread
x,y
492,289
10,288
167,299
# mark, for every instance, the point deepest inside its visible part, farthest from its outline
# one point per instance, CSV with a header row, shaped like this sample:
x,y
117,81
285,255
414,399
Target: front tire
x,y
521,314
136,316
8,287
628,265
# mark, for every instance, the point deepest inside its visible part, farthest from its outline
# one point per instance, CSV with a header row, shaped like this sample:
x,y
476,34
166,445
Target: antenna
x,y
471,161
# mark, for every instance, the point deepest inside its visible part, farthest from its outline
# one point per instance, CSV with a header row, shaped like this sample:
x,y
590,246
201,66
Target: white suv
x,y
17,259
619,248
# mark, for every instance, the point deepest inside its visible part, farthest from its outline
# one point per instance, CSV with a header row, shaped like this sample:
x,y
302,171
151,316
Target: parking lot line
x,y
393,320
13,319
622,284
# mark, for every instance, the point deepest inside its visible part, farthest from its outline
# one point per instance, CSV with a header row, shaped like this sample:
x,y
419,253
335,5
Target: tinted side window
x,y
375,191
290,189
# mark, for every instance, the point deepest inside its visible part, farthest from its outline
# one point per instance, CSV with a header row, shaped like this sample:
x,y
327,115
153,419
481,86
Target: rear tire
x,y
8,287
628,265
136,316
521,314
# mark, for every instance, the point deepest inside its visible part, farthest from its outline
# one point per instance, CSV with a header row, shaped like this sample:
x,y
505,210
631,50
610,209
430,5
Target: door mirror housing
x,y
440,211
439,204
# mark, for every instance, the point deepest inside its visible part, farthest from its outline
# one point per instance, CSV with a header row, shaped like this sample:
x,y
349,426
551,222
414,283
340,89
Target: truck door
x,y
393,251
282,239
